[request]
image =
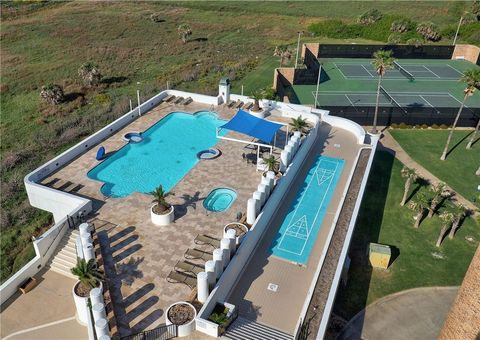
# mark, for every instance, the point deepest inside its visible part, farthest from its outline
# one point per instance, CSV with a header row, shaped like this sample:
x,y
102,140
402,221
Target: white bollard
x,y
260,197
101,327
266,181
210,270
283,161
225,246
105,337
271,177
86,238
85,228
98,311
263,189
232,236
218,259
202,287
251,210
296,140
297,134
96,296
88,252
289,150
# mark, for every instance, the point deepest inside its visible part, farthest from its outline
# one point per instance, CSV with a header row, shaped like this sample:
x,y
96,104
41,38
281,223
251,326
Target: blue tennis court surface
x,y
298,232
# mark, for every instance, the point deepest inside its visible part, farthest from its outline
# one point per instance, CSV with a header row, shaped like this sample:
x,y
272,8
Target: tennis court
x,y
401,70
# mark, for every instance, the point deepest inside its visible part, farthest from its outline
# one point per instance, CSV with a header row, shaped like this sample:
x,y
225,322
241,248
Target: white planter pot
x,y
186,329
240,238
81,305
165,219
258,114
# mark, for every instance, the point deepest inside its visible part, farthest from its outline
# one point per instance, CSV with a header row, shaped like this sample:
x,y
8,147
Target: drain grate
x,y
272,287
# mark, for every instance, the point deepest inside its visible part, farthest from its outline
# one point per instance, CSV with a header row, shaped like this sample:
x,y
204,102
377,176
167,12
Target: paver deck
x,y
139,255
281,309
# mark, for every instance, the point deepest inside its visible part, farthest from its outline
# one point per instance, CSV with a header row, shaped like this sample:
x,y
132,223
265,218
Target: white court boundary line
x,y
367,71
436,75
320,206
458,71
39,327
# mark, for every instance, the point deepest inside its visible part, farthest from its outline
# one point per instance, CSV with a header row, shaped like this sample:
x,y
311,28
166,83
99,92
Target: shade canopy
x,y
248,124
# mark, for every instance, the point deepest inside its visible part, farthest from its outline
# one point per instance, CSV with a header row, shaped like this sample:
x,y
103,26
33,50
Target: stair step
x,y
67,256
63,262
62,271
245,329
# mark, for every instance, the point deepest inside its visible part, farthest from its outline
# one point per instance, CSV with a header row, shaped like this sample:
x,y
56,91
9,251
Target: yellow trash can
x,y
379,255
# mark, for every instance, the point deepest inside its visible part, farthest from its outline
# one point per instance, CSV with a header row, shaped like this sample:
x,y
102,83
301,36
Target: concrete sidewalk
x,y
417,313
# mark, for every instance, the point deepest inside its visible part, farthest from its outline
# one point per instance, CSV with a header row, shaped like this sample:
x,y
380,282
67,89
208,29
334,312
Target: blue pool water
x,y
219,199
297,234
166,154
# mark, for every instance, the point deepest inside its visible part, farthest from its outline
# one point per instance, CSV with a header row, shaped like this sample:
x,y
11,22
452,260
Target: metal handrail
x,y
67,222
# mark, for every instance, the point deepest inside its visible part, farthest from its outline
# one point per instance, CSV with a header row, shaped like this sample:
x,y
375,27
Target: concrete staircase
x,y
66,255
244,329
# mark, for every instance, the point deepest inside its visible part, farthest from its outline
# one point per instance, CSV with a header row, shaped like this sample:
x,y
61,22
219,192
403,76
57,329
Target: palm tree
x,y
411,177
382,61
459,212
419,205
438,192
184,31
87,274
284,53
257,95
160,197
271,162
52,94
299,124
447,219
472,138
90,73
472,79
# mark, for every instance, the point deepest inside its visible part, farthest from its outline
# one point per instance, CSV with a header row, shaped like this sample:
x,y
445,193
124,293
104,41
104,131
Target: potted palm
x,y
89,277
270,164
162,213
299,124
256,110
183,315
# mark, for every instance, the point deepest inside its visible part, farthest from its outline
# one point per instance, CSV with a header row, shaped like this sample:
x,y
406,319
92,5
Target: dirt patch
x,y
160,209
322,288
181,314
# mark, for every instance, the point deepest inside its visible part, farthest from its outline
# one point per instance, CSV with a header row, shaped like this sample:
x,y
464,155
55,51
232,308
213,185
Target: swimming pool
x,y
219,199
297,234
166,154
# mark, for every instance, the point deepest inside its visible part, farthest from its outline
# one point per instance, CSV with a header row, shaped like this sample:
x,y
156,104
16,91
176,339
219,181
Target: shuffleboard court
x,y
298,232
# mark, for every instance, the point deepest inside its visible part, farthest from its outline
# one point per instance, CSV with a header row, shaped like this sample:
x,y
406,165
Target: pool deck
x,y
139,255
281,309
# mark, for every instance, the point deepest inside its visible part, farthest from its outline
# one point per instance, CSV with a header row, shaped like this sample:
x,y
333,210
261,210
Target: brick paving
x,y
138,255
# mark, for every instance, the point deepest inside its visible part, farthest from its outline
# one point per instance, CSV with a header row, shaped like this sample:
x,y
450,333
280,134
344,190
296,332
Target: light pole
x,y
318,82
458,29
138,99
298,47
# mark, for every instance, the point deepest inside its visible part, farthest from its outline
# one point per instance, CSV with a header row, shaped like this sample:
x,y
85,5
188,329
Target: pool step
x,y
66,255
245,329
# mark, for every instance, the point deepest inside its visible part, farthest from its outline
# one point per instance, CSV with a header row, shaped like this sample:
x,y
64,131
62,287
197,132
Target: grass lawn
x,y
458,170
418,263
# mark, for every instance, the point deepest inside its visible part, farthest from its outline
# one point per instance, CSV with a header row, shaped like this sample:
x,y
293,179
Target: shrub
x,y
475,9
415,41
435,126
369,17
90,73
424,126
443,126
394,126
394,38
156,17
404,126
402,25
429,31
52,94
103,99
270,93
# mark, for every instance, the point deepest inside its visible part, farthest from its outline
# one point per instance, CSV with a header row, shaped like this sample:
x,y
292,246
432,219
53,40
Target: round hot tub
x,y
208,154
219,199
133,137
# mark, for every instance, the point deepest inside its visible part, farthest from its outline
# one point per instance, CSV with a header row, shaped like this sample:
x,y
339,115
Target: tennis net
x,y
390,98
403,71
